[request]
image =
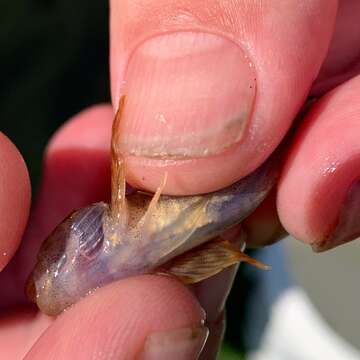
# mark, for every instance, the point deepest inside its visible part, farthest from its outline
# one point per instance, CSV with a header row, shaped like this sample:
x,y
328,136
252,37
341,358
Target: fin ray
x,y
118,181
168,240
207,260
146,219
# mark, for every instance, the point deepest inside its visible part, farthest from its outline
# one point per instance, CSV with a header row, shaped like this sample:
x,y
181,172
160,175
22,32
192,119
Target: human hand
x,y
287,46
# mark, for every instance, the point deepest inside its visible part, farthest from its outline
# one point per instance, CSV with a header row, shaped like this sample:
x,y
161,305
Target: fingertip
x,y
318,197
76,165
263,226
76,173
90,129
117,319
15,195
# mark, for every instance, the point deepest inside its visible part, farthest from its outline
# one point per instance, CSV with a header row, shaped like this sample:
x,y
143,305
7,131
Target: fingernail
x,y
347,227
180,344
189,94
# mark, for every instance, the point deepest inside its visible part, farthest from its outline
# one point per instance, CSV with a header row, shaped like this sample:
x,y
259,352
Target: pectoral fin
x,y
207,260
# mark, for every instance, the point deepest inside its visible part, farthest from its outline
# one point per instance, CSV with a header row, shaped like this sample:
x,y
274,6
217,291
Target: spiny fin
x,y
146,219
207,260
169,241
118,181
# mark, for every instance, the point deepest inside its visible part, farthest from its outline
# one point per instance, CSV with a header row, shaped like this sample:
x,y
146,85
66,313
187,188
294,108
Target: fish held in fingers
x,y
141,234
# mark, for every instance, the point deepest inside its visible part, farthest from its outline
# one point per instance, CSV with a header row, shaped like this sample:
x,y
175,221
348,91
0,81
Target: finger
x,y
342,61
77,164
212,295
263,226
76,173
212,86
319,193
146,317
19,330
15,196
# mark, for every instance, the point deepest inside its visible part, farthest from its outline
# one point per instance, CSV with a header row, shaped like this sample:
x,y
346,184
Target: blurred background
x,y
54,61
331,280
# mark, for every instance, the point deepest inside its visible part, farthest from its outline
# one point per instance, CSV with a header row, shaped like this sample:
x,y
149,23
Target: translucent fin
x,y
118,182
167,240
146,219
207,260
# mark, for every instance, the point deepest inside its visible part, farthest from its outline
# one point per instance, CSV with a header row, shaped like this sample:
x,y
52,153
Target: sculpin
x,y
140,233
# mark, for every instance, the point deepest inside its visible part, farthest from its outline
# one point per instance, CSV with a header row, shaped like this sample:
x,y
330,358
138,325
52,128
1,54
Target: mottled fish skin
x,y
89,250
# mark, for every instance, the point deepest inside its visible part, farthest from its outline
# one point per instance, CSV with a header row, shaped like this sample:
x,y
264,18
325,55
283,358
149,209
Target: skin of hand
x,y
234,71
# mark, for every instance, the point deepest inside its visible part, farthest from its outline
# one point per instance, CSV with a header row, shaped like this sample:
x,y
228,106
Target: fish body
x,y
140,233
89,249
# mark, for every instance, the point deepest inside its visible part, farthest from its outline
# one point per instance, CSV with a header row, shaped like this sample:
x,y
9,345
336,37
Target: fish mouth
x,y
46,302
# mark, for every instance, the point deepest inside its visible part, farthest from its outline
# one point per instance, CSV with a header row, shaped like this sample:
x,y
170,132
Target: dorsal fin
x,y
146,219
118,182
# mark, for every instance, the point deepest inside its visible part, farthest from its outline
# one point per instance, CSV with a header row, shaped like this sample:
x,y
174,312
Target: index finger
x,y
15,197
130,319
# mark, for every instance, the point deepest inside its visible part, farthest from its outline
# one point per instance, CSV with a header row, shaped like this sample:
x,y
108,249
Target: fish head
x,y
70,261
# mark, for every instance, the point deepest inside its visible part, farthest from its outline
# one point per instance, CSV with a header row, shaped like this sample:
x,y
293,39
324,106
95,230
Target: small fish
x,y
140,233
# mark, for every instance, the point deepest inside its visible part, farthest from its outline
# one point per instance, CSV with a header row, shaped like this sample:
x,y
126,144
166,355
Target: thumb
x,y
146,318
212,86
